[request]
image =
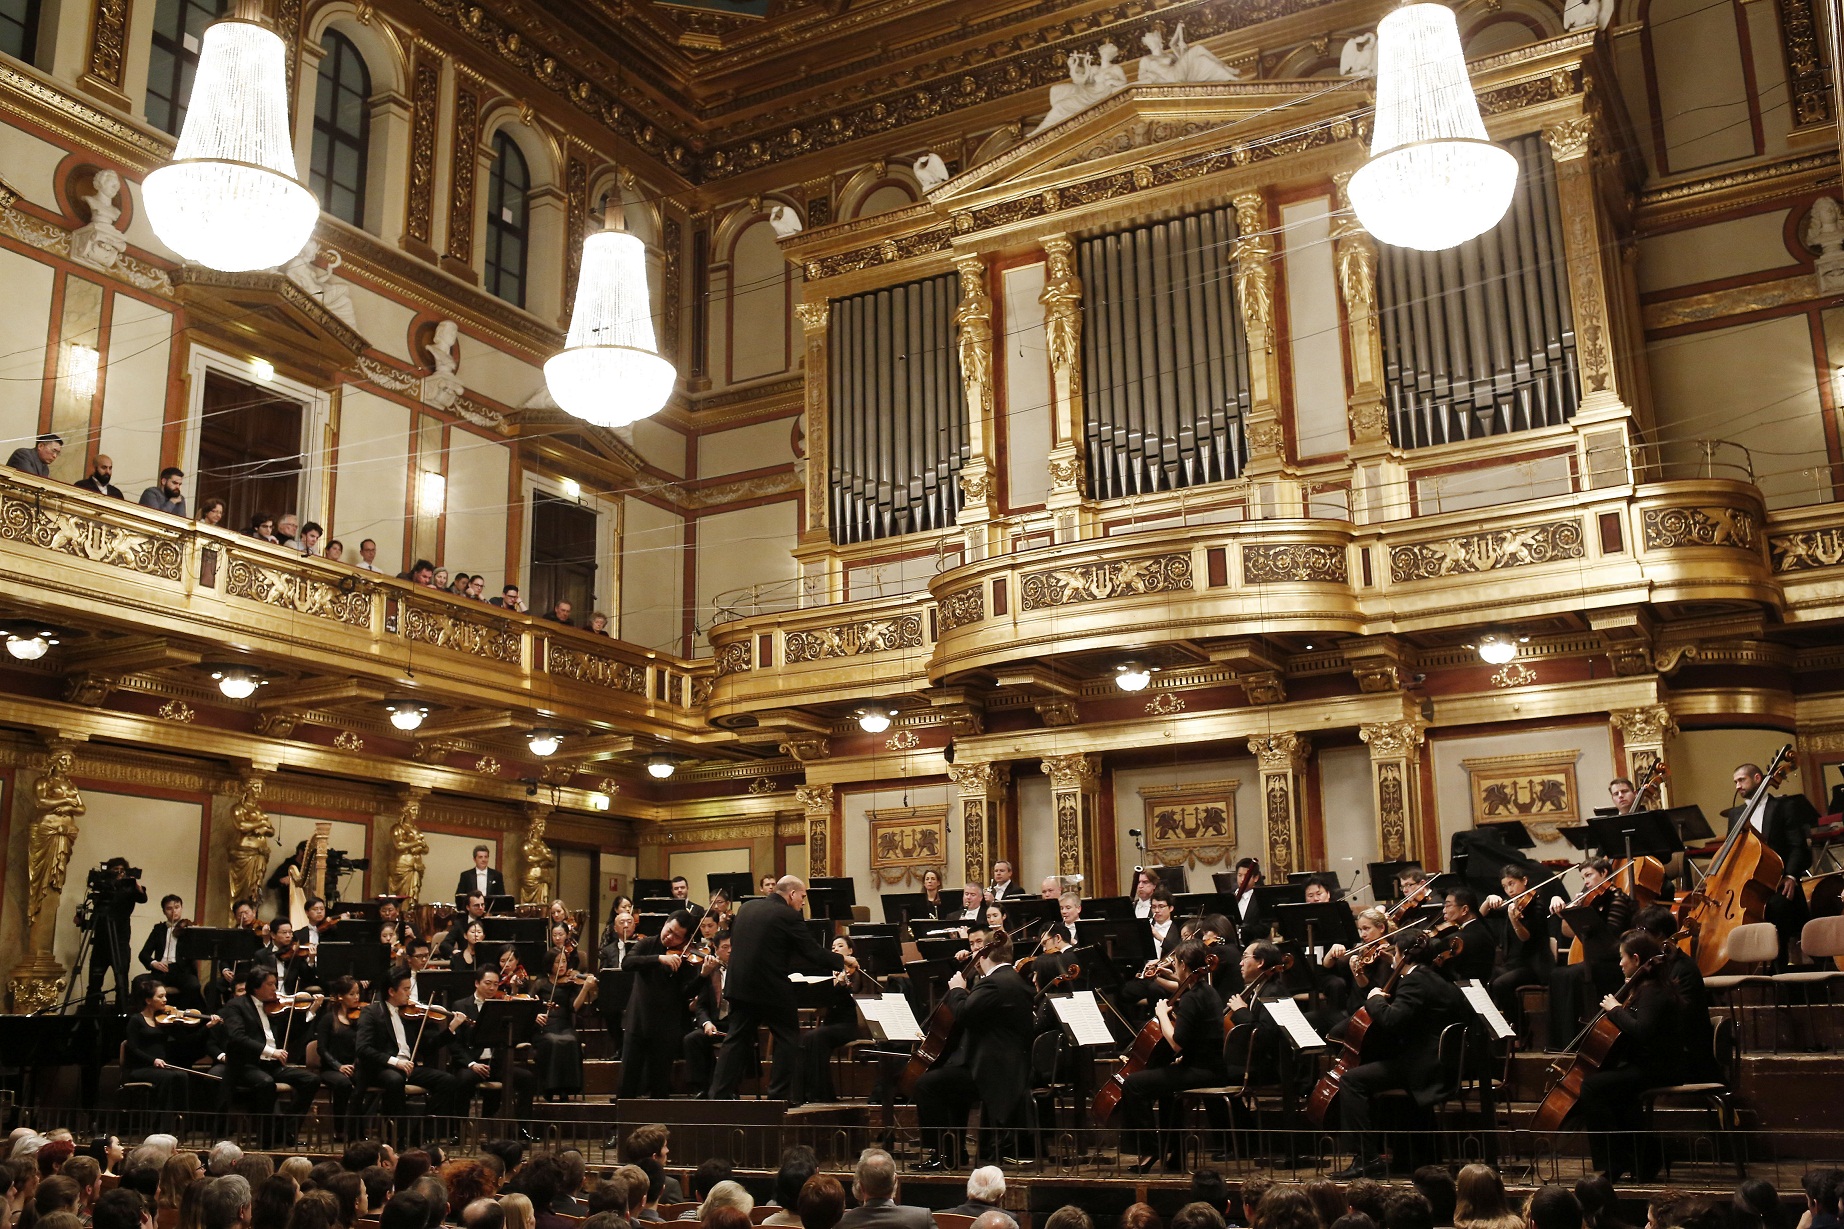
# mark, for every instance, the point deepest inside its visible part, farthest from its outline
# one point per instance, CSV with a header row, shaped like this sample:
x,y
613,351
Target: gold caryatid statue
x,y
535,879
58,806
973,325
1062,303
252,834
408,847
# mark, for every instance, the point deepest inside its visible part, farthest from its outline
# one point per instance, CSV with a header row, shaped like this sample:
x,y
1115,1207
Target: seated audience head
x,y
1285,1206
1328,1200
518,1210
875,1176
121,1208
314,1210
1140,1216
1437,1187
483,1214
986,1184
724,1218
1069,1216
1479,1200
993,1219
405,1210
706,1177
272,1202
797,1165
224,1203
1408,1210
821,1202
1553,1207
1197,1216
1822,1188
725,1194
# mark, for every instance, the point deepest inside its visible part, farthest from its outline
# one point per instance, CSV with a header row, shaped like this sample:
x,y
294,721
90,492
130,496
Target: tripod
x,y
86,955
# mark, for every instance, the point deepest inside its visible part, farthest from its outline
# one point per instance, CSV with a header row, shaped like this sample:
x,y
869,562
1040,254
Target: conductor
x,y
767,938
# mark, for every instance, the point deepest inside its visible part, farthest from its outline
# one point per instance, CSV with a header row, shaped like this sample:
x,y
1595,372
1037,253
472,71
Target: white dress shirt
x,y
480,881
403,1040
172,943
1142,908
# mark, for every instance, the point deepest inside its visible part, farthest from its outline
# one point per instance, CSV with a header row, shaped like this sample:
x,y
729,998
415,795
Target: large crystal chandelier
x,y
1433,180
229,199
609,371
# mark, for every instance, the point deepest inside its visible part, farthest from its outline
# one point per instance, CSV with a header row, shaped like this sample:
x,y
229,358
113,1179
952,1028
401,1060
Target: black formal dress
x,y
252,1071
336,1042
1573,987
1525,962
1197,1030
181,977
990,1061
655,1021
145,1044
556,1053
838,1026
768,940
1408,1022
378,1043
1648,1054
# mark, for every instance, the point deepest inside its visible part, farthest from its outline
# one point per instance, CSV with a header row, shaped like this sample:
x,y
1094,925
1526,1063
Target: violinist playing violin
x,y
160,954
838,1026
1355,972
1157,980
1191,1024
1478,952
990,1061
400,1043
256,1058
151,1042
1649,1054
1524,936
1406,1022
1574,987
476,1062
557,1054
1263,963
656,1017
336,1044
284,956
710,1014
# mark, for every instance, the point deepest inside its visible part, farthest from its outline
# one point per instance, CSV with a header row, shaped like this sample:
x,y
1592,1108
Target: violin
x,y
300,1000
1411,900
173,1015
430,1011
351,1014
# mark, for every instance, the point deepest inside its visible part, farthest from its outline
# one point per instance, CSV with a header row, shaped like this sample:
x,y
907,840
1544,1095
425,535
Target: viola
x,y
1590,1051
1742,877
1140,1053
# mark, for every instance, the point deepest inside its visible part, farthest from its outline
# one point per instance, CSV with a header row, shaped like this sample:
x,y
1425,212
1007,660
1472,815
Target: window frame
x,y
182,63
339,49
494,272
29,31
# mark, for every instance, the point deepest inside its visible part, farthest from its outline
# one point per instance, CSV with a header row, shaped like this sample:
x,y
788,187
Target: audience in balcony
x,y
164,495
508,599
598,623
37,459
368,556
287,529
441,580
98,483
262,527
336,551
309,541
561,612
211,511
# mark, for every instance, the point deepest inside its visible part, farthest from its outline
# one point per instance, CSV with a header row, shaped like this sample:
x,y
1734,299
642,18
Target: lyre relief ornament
x,y
609,371
229,199
1433,180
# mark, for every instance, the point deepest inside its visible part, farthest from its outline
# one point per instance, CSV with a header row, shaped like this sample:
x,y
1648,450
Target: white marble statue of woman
x,y
1196,62
443,387
931,171
1358,57
1090,81
1159,66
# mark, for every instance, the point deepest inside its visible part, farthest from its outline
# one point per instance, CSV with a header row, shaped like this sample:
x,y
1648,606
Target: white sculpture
x,y
1091,80
443,389
1358,58
1587,14
1824,234
931,172
99,244
306,271
784,221
1181,62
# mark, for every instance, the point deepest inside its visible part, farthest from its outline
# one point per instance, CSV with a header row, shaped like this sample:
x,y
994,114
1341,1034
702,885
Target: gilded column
x,y
409,847
973,333
536,861
105,67
1075,781
1586,240
1645,733
1254,260
252,836
817,800
814,318
1395,785
425,119
1062,303
1355,253
1282,758
982,815
39,980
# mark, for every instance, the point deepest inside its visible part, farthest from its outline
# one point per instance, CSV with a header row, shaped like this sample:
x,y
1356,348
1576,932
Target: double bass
x,y
1591,1049
1139,1054
1742,877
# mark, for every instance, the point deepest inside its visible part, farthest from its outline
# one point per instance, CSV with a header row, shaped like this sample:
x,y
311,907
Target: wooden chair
x,y
948,1220
672,1211
1752,946
1822,939
762,1211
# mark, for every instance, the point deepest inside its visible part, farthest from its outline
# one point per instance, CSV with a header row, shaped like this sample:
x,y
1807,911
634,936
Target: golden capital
x,y
814,797
979,778
813,316
1570,139
806,750
1251,213
1650,725
1072,771
1392,739
971,267
1058,247
1284,752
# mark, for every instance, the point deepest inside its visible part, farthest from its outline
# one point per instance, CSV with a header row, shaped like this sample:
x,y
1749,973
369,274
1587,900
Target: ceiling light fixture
x,y
875,720
609,371
238,682
1132,676
407,715
1434,180
661,766
230,199
1498,648
544,742
29,647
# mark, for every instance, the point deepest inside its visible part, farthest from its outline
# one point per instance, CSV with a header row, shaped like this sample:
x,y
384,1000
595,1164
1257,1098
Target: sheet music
x,y
1082,1014
809,979
1287,1014
890,1013
1481,999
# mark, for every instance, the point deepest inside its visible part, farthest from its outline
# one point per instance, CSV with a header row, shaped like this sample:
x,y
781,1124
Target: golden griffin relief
x,y
906,844
1815,548
1284,561
1191,824
596,670
303,594
1095,582
1537,789
476,637
1486,552
84,538
962,607
1671,528
855,639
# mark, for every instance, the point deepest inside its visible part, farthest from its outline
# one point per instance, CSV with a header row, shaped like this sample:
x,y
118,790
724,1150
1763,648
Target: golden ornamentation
x,y
1266,438
979,778
1570,138
1062,302
1369,421
1278,790
1066,472
1190,824
576,215
961,607
806,749
1813,548
671,238
1056,713
278,722
1539,785
1590,330
177,710
487,766
1489,551
84,538
252,834
1392,811
1392,739
761,785
535,874
1264,686
462,165
301,593
1376,677
1805,68
56,807
904,740
1095,582
903,247
425,96
973,837
1254,257
1516,674
1284,752
1272,563
855,639
1672,528
108,41
409,848
975,487
700,692
37,985
817,801
1164,705
1068,832
1651,725
1075,771
90,687
492,639
1732,301
814,317
907,843
734,657
973,330
594,669
346,740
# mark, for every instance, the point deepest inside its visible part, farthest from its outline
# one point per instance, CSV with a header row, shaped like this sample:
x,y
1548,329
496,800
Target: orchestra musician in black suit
x,y
1523,936
481,877
990,1063
396,1050
1155,982
1410,1020
1785,823
160,954
1192,1026
1697,1036
1004,886
476,1061
1478,954
656,1017
473,911
1069,908
710,1016
336,1044
769,940
256,1059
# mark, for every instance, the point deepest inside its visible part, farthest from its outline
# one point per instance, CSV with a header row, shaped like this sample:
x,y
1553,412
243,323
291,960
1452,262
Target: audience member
x,y
1436,1186
985,1192
875,1187
1207,1186
180,1171
1328,1200
1198,1216
406,1210
821,1202
211,511
1069,1216
37,459
272,1202
1285,1207
518,1211
1553,1207
1822,1187
1480,1203
1140,1216
224,1203
483,1214
1408,1210
99,482
121,1208
164,495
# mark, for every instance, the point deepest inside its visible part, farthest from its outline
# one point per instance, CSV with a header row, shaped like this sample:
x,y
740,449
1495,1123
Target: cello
x,y
1139,1054
1591,1049
934,1044
1743,875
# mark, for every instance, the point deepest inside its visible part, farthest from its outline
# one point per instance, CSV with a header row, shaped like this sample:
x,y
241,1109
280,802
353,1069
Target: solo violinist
x,y
656,1017
1191,1025
160,954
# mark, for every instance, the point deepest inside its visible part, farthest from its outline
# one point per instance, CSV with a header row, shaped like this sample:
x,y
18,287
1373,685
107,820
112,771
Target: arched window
x,y
178,26
19,28
508,220
342,130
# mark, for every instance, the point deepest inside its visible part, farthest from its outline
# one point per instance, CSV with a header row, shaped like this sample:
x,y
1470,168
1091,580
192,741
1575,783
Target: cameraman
x,y
114,892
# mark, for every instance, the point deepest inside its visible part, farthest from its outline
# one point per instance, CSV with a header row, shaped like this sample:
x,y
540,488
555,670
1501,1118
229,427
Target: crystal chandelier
x,y
229,199
1433,180
609,371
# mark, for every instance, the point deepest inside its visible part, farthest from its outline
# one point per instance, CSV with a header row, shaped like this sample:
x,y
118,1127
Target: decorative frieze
x,y
962,607
303,594
595,669
425,96
1273,563
1672,528
475,637
734,657
1490,551
83,537
1095,582
463,167
1808,549
816,800
855,639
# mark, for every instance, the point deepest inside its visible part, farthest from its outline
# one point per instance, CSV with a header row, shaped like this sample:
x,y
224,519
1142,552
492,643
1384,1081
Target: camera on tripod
x,y
108,888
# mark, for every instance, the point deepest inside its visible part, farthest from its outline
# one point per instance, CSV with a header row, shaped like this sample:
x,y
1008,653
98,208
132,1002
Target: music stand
x,y
1383,877
897,906
363,962
843,887
1119,908
1270,896
874,930
356,930
667,904
733,884
220,945
1638,834
1315,927
1022,911
940,947
448,985
1201,904
503,930
648,925
829,903
503,1024
880,955
360,909
1172,877
1126,941
1581,836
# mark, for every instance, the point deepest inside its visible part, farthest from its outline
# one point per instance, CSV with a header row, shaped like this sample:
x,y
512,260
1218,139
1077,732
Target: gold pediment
x,y
266,313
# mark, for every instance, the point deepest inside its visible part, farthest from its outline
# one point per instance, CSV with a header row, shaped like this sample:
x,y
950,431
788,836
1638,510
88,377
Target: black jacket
x,y
1696,1036
656,1005
1651,1036
705,1007
155,948
339,1042
107,488
27,461
496,882
1197,1027
1478,953
1785,822
377,1043
615,952
769,940
995,1022
1412,1018
243,1034
145,1043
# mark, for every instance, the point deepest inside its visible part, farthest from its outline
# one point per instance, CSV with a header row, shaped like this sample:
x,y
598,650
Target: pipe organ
x,y
1165,361
899,416
1479,340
